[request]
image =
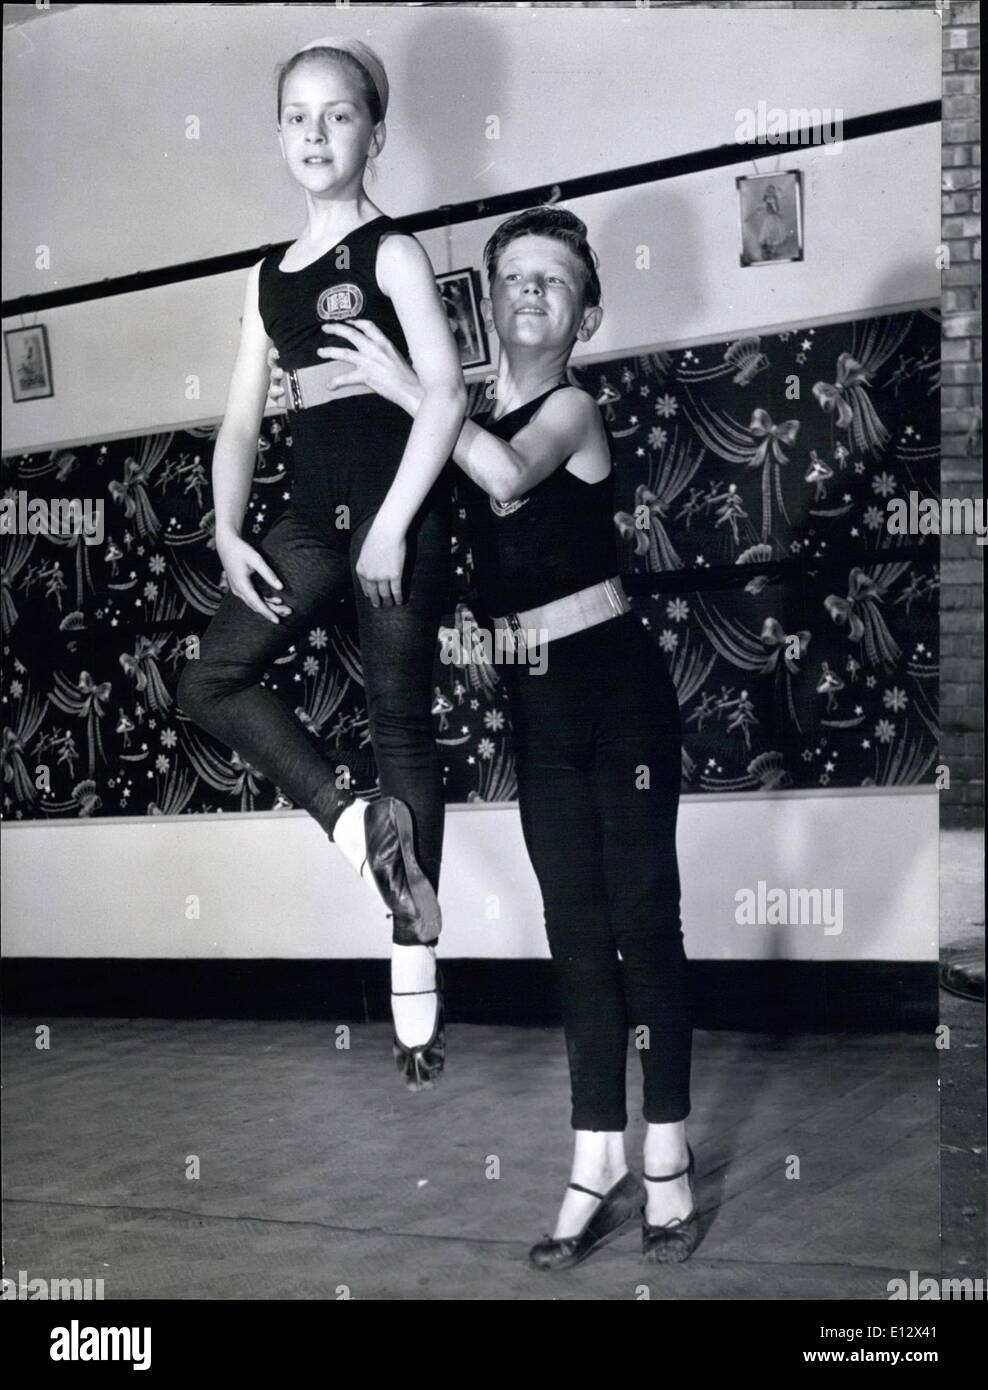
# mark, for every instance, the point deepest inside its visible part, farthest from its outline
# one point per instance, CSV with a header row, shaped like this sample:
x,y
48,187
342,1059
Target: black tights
x,y
597,740
221,692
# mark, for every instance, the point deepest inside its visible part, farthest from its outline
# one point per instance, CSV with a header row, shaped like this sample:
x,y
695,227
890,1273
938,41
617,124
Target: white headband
x,y
365,56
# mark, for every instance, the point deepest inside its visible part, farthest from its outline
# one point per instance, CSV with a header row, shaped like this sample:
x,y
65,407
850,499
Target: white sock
x,y
413,968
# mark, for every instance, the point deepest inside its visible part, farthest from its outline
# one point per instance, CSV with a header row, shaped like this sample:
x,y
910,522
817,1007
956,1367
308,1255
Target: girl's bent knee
x,y
195,692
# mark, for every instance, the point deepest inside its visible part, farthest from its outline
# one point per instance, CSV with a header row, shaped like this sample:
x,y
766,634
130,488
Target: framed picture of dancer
x,y
771,212
460,292
28,363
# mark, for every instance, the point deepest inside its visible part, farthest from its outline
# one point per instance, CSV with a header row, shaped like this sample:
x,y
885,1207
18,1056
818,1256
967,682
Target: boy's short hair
x,y
561,225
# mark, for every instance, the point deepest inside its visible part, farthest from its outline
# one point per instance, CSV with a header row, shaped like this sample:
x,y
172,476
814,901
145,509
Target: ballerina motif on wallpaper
x,y
773,652
644,530
801,637
759,446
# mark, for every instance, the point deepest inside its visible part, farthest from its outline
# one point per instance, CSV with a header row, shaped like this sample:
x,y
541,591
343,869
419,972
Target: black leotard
x,y
346,451
556,539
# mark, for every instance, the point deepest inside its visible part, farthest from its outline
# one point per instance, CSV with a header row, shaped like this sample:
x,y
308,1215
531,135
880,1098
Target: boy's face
x,y
536,297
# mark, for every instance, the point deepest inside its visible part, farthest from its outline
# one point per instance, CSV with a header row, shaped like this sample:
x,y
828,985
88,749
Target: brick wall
x,y
961,573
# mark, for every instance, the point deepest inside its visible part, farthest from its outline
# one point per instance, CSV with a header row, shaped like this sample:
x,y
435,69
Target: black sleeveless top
x,y
348,448
295,304
556,539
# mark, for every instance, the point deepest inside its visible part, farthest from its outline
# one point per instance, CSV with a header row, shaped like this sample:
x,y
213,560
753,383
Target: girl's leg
x,y
221,691
398,651
636,777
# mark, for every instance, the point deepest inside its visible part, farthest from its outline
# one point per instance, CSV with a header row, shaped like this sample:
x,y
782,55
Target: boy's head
x,y
560,225
541,257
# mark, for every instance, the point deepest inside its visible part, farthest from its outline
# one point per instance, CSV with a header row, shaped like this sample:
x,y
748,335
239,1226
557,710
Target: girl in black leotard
x,y
369,505
596,728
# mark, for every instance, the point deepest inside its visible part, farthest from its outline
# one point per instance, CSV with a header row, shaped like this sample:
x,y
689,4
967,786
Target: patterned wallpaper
x,y
752,478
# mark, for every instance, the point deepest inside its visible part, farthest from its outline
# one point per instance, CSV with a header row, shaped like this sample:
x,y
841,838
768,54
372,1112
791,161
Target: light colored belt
x,y
564,616
309,386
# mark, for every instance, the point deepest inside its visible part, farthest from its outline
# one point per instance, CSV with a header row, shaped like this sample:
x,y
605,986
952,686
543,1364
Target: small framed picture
x,y
28,363
771,212
460,292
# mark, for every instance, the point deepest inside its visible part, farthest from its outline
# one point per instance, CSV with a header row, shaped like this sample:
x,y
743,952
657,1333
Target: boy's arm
x,y
405,275
568,424
568,428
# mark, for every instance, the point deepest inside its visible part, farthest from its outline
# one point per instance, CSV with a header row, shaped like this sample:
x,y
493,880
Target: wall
x,y
122,365
109,182
271,885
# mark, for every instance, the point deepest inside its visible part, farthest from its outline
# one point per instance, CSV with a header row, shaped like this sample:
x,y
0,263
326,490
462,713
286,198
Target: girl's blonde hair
x,y
370,77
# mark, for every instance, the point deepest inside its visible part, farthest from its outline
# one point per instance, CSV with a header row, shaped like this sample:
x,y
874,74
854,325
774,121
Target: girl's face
x,y
326,134
537,295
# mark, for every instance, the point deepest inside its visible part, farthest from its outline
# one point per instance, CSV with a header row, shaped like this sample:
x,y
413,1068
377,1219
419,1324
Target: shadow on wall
x,y
673,229
429,106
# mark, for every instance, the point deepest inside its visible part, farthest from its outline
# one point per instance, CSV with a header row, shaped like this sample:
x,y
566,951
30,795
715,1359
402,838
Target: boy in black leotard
x,y
601,836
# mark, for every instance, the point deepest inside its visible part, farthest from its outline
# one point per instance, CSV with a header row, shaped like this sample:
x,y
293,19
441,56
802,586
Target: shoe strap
x,y
668,1177
577,1187
404,993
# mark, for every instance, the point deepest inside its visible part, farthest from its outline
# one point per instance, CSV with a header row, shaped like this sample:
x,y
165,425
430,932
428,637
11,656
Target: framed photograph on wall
x,y
28,363
770,207
460,292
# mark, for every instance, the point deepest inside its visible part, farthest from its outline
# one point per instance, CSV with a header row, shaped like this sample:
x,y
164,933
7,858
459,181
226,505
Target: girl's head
x,y
542,272
332,101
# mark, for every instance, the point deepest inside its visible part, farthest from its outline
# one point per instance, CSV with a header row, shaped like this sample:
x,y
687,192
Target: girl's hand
x,y
381,564
276,386
377,363
240,561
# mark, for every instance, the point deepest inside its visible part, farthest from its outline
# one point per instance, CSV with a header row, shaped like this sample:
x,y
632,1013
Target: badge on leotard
x,y
506,508
340,302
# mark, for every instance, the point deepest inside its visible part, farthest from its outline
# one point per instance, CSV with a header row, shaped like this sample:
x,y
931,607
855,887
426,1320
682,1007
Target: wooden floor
x,y
318,1170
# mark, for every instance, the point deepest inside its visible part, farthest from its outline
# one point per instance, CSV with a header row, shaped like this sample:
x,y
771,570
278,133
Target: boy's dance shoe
x,y
617,1207
677,1239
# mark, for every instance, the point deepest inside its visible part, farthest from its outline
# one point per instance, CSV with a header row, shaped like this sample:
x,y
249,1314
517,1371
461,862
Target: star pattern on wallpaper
x,y
750,527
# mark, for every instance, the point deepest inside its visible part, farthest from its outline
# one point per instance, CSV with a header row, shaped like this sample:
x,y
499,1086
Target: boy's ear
x,y
487,314
590,322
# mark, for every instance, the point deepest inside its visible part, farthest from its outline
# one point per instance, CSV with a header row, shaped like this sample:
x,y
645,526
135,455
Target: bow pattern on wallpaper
x,y
822,671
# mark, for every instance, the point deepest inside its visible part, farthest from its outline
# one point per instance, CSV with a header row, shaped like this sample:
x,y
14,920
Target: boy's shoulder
x,y
582,391
575,402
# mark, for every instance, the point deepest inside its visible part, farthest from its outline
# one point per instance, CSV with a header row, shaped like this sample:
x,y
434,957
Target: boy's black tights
x,y
221,692
597,740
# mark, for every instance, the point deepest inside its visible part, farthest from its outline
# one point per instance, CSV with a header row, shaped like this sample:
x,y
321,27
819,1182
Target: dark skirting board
x,y
751,995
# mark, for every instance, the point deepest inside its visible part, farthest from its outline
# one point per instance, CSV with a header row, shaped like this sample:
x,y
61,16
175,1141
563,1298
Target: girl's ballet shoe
x,y
422,1064
390,861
